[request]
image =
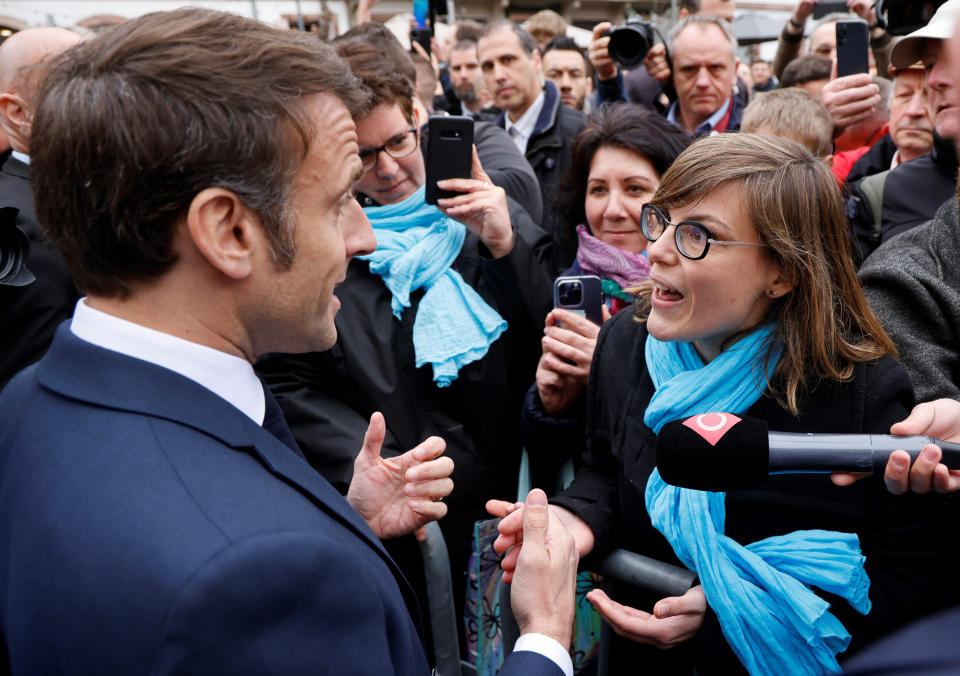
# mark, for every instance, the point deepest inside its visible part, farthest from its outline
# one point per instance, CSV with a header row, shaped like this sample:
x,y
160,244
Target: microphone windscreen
x,y
714,452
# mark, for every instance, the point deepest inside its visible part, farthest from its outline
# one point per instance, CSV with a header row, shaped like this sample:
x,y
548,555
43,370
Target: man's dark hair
x,y
381,38
806,69
620,125
565,43
527,43
463,45
133,124
756,60
692,6
469,30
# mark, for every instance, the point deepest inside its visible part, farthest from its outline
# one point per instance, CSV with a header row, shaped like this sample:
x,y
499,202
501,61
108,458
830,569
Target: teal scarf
x,y
416,244
760,593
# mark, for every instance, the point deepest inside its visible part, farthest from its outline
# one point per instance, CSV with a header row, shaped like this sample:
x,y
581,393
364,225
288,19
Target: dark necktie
x,y
275,424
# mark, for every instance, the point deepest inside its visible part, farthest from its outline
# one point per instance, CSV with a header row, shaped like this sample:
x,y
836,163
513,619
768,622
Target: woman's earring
x,y
773,294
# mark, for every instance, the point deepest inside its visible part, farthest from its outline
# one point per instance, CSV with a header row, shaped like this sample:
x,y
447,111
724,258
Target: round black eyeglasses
x,y
693,239
399,146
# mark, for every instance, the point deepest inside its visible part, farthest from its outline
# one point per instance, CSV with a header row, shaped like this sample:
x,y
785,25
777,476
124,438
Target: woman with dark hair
x,y
618,159
752,308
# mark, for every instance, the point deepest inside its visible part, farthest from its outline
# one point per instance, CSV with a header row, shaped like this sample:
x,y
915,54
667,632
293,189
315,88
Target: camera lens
x,y
629,44
570,293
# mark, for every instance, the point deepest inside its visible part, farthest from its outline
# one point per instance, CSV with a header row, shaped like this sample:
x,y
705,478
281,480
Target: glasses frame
x,y
376,151
648,207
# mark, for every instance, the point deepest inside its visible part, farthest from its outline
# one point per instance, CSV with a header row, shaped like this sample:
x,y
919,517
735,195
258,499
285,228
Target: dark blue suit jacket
x,y
148,526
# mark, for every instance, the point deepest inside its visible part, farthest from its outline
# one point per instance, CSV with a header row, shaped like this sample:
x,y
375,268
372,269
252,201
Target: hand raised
x,y
398,496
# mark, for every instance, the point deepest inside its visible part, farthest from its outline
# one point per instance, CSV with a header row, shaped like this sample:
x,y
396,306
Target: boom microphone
x,y
722,452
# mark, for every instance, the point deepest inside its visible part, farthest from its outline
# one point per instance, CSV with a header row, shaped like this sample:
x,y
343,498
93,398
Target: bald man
x,y
29,315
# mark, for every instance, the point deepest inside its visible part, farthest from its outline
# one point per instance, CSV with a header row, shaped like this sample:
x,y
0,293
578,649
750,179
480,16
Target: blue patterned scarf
x,y
416,244
760,593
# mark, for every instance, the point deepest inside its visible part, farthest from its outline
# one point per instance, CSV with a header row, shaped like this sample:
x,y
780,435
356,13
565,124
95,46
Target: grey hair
x,y
703,20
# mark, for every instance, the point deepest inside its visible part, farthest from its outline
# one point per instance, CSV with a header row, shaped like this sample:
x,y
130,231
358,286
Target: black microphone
x,y
723,452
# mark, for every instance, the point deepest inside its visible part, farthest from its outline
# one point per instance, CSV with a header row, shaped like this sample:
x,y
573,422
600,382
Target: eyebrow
x,y
709,221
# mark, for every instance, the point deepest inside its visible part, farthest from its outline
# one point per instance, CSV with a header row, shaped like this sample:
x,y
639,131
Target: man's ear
x,y
13,113
224,230
736,71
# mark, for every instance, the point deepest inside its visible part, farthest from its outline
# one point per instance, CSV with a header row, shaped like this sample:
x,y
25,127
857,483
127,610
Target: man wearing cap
x,y
912,281
912,192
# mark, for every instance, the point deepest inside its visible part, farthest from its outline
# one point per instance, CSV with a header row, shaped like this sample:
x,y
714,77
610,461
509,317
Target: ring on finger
x,y
438,498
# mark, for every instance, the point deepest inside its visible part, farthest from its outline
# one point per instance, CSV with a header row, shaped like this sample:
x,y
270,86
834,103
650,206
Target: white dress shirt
x,y
521,130
226,375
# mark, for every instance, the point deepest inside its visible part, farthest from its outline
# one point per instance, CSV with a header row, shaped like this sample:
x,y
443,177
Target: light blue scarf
x,y
770,617
416,244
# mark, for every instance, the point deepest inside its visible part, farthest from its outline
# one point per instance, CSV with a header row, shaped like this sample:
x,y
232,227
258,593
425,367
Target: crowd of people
x,y
256,363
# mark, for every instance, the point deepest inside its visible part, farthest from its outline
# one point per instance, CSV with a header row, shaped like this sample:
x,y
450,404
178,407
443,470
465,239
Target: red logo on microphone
x,y
711,426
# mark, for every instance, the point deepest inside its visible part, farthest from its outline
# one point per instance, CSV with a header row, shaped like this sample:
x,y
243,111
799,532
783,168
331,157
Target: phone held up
x,y
853,45
581,294
449,152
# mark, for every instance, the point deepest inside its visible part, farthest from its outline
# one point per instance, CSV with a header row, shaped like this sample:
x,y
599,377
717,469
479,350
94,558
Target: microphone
x,y
723,452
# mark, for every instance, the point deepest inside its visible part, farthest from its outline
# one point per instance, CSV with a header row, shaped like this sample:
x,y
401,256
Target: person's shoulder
x,y
916,247
622,332
569,121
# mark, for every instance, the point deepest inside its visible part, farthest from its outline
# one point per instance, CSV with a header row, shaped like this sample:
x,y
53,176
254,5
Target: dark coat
x,y
912,193
30,315
913,284
148,526
328,397
905,538
875,160
550,153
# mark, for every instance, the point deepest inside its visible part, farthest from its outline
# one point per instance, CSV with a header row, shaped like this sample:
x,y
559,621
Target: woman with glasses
x,y
618,160
438,329
752,308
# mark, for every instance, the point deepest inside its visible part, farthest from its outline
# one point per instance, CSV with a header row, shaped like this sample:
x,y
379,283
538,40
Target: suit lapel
x,y
86,372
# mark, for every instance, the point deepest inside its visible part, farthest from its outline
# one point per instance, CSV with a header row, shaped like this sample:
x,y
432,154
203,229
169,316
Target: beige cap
x,y
909,49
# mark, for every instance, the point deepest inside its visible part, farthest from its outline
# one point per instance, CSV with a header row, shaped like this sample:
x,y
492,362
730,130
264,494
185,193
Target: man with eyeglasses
x,y
487,260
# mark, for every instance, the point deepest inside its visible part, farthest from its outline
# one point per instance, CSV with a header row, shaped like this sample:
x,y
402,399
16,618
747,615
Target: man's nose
x,y
358,236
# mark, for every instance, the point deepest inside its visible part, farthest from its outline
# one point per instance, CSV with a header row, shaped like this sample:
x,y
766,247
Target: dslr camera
x,y
14,250
630,43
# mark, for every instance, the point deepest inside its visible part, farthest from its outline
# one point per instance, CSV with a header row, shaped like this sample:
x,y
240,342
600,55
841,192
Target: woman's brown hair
x,y
824,325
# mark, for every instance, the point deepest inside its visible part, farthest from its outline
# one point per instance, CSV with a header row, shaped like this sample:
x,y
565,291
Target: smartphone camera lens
x,y
570,293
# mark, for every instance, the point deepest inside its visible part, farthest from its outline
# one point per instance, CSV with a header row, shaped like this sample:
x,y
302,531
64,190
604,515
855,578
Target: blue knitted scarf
x,y
416,244
760,593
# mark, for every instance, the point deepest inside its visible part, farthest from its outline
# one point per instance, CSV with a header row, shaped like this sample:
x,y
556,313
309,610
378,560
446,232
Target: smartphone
x,y
581,294
421,35
853,45
449,152
824,7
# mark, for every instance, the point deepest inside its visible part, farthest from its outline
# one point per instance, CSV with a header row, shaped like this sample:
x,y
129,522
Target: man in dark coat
x,y
535,117
156,515
29,315
911,193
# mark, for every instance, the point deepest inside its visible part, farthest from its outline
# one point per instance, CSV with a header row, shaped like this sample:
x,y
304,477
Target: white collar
x,y
23,157
228,376
526,124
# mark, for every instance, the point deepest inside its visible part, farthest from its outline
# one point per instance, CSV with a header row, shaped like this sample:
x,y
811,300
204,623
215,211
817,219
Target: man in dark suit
x,y
29,315
156,515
